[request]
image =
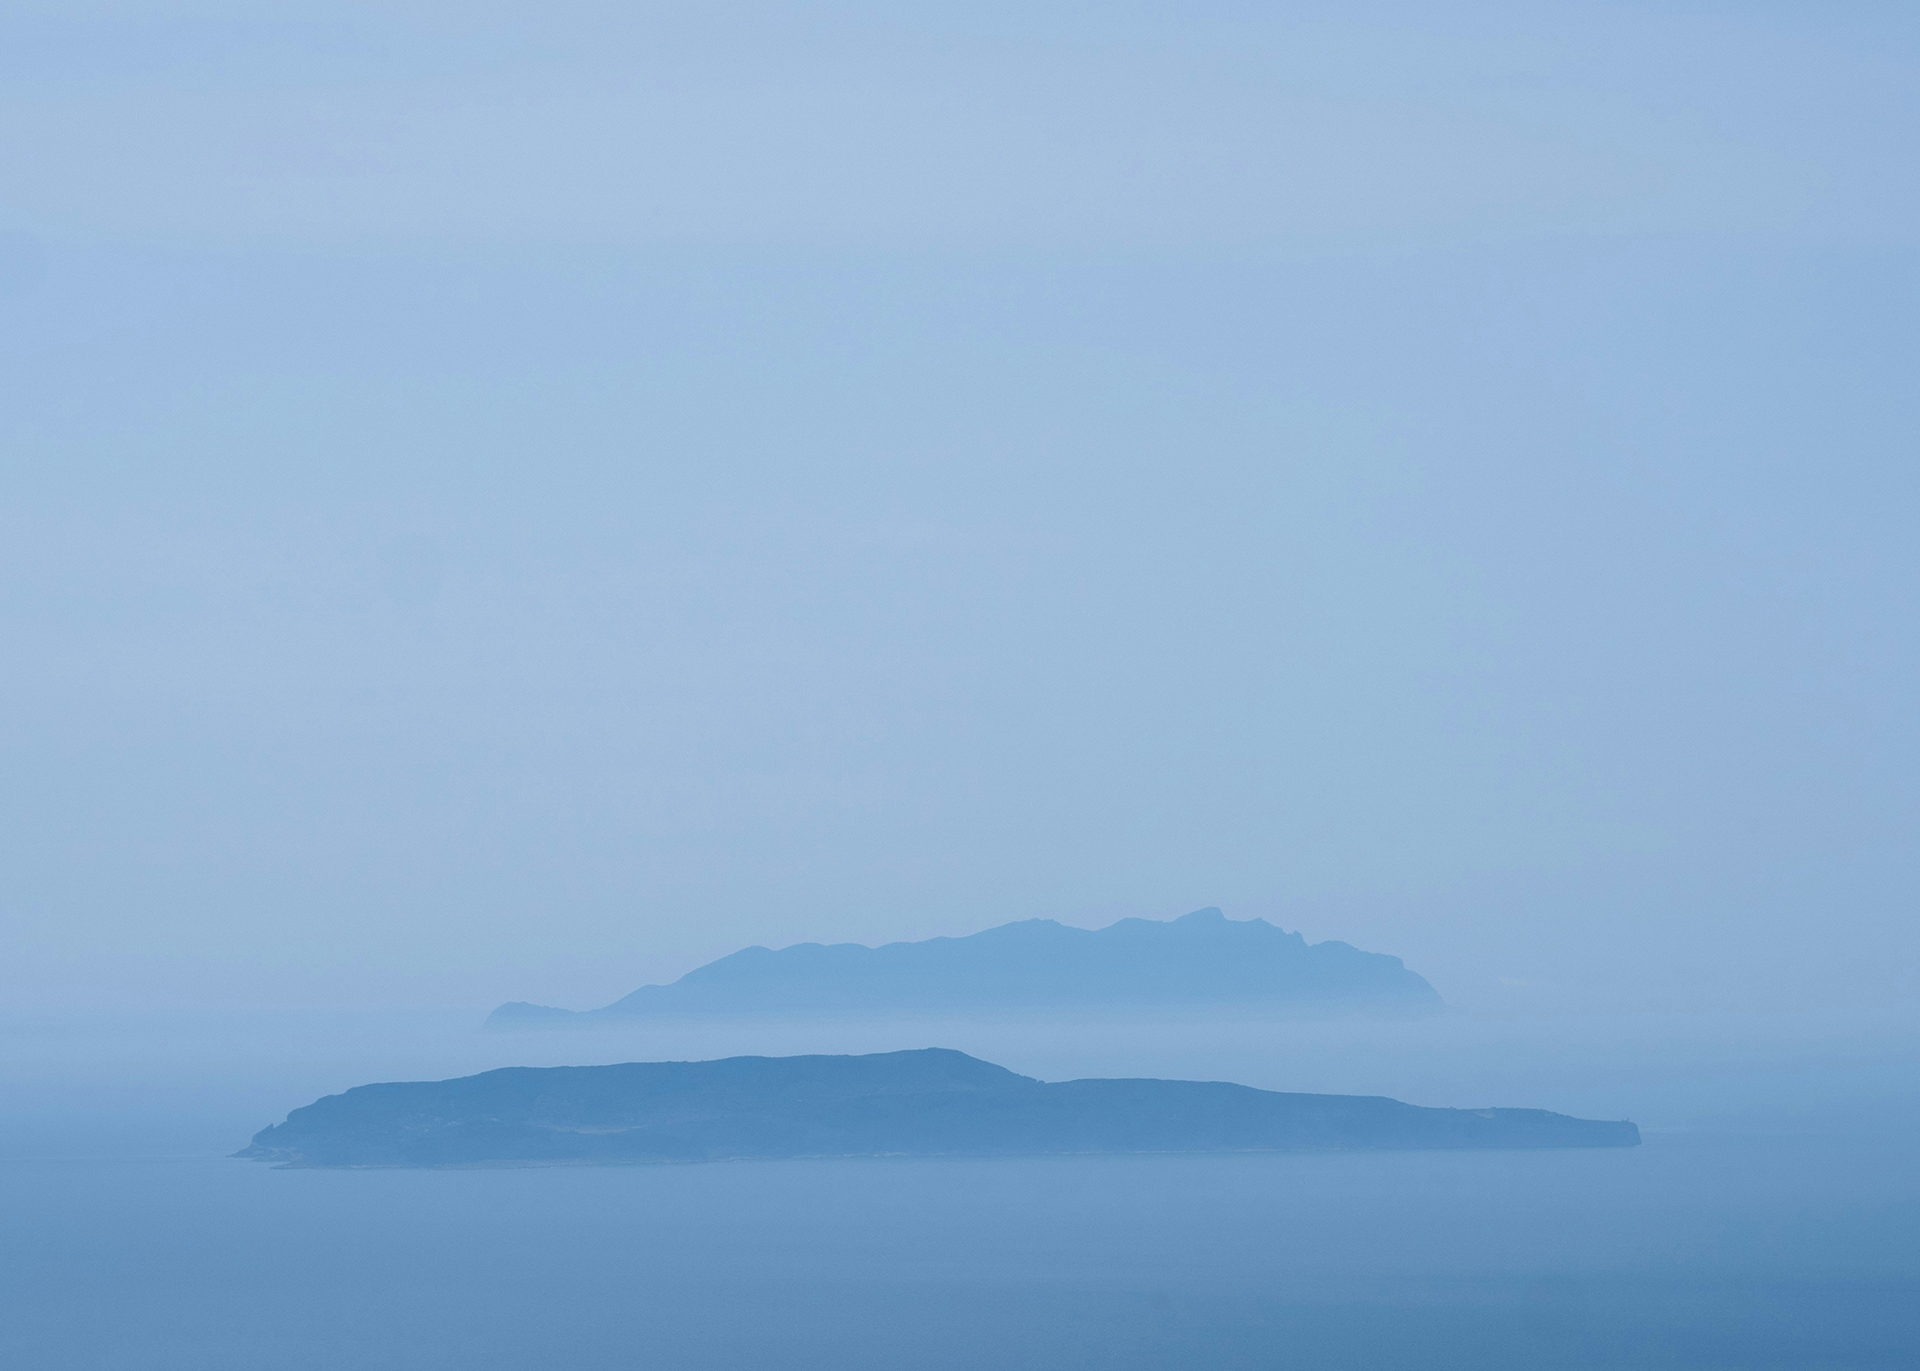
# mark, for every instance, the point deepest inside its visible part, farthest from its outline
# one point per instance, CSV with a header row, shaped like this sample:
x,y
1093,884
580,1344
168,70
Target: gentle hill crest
x,y
931,1102
1201,961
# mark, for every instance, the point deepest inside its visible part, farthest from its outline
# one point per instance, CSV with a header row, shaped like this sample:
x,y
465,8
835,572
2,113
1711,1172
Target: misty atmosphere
x,y
1127,686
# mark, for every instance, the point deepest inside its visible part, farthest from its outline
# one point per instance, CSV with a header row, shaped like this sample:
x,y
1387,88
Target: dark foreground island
x,y
928,1103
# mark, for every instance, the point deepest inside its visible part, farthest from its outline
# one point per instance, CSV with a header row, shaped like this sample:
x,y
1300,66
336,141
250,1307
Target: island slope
x,y
922,1103
1204,960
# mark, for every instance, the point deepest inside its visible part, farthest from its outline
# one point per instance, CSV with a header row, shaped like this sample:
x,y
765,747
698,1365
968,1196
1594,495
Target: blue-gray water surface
x,y
1692,1251
1771,1220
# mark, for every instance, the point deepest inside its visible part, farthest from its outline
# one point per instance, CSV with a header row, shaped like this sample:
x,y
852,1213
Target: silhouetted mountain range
x,y
925,1103
1202,960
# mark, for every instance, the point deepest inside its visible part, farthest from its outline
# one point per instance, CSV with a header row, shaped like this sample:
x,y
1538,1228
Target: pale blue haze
x,y
506,503
510,502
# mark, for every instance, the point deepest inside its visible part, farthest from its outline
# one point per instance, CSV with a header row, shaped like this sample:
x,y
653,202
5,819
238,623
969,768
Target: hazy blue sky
x,y
511,502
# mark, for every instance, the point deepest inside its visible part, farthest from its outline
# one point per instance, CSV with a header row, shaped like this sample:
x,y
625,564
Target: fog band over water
x,y
665,506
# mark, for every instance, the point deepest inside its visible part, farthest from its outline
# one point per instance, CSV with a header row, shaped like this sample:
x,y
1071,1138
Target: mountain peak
x,y
1202,961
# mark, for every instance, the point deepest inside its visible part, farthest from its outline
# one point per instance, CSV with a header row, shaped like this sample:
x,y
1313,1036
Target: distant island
x,y
1204,960
932,1102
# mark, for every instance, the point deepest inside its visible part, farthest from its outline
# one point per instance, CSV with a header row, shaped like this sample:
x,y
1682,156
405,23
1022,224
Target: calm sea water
x,y
1754,1242
1692,1251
